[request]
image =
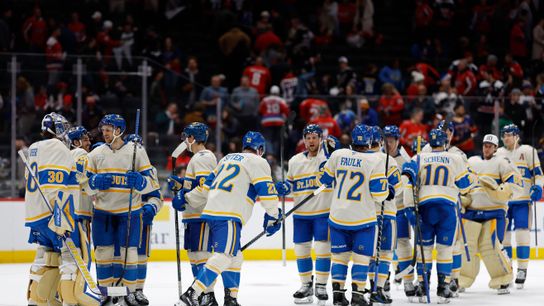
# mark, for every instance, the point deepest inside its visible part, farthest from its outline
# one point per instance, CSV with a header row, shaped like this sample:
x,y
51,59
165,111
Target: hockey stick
x,y
290,212
127,237
462,226
381,220
177,152
286,127
72,249
533,179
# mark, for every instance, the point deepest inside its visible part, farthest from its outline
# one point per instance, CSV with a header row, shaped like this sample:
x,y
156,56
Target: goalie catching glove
x,y
502,192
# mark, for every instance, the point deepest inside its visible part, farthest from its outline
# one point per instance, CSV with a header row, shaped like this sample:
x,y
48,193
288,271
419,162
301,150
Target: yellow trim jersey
x,y
198,169
522,158
359,182
55,169
394,179
401,157
303,175
233,187
115,200
85,207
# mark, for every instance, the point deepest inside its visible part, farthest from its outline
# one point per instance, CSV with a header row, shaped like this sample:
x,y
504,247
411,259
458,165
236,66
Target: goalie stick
x,y
72,249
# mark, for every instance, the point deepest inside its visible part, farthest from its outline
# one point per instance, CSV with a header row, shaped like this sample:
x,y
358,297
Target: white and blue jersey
x,y
198,169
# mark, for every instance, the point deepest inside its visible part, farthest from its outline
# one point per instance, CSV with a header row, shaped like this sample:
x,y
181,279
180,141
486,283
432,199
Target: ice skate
x,y
229,300
387,287
208,299
321,293
503,289
454,287
443,291
339,295
379,297
410,290
358,297
141,298
395,281
305,294
520,278
189,298
130,300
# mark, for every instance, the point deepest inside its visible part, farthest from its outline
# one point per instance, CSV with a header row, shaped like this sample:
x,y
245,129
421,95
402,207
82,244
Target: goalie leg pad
x,y
303,252
322,261
44,277
497,263
470,269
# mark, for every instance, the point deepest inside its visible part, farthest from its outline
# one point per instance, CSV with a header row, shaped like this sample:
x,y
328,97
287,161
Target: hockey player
x,y
485,217
196,230
229,194
389,224
111,181
442,175
310,220
55,169
525,158
360,181
80,143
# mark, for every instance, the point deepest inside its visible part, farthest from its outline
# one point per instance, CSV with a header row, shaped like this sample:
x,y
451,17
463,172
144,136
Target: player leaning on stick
x,y
310,220
389,224
53,267
360,181
525,158
109,168
485,216
229,194
441,175
197,232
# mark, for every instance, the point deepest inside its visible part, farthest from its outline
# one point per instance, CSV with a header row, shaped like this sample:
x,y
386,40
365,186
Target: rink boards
x,y
14,247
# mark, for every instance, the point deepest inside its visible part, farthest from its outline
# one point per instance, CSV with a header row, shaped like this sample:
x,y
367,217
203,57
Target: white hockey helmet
x,y
492,139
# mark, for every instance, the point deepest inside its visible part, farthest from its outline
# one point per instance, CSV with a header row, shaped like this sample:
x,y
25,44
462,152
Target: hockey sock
x,y
142,271
104,265
131,268
304,261
359,270
198,260
383,268
507,242
322,261
444,260
428,262
231,276
523,249
404,253
340,267
218,263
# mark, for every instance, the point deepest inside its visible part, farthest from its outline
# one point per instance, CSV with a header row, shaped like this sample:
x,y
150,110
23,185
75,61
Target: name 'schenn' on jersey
x,y
359,182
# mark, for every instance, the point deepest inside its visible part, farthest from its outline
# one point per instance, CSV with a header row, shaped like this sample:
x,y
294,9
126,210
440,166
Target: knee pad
x,y
303,249
498,264
44,279
470,269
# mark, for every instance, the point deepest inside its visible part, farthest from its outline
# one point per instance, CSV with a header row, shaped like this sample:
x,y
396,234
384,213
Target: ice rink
x,y
269,283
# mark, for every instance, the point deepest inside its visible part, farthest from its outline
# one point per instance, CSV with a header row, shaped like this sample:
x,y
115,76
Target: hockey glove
x,y
410,214
411,171
331,144
175,183
179,202
269,225
283,188
136,180
148,214
536,193
391,195
101,181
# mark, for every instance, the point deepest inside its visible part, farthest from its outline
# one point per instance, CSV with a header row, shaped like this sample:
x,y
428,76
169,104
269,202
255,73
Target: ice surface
x,y
269,283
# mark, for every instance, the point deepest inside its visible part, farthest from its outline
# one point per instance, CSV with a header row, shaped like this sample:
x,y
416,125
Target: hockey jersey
x,y
55,169
232,188
85,207
198,169
360,181
394,179
453,149
302,175
115,200
498,168
525,158
442,175
401,157
154,198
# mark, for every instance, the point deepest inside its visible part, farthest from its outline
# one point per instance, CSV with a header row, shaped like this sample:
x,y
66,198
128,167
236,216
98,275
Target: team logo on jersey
x,y
34,152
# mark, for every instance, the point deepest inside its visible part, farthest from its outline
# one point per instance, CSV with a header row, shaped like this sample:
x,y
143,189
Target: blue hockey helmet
x,y
450,125
376,135
510,129
391,131
312,129
422,143
114,120
55,124
76,133
437,138
198,130
361,135
254,141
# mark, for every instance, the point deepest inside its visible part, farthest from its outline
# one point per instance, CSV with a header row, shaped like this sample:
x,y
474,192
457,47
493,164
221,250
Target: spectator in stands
x,y
77,28
157,95
244,102
311,108
96,24
417,80
363,22
191,81
273,111
465,130
390,105
538,40
92,114
67,109
106,42
54,58
518,40
6,38
514,110
327,123
423,18
424,102
328,18
533,108
125,46
211,96
368,115
35,31
265,41
21,143
171,59
393,75
230,126
489,71
465,80
258,75
345,76
263,24
169,121
513,72
370,80
411,128
299,42
25,106
235,45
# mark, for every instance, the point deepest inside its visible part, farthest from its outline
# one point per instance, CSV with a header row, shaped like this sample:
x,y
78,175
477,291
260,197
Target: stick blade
x,y
180,149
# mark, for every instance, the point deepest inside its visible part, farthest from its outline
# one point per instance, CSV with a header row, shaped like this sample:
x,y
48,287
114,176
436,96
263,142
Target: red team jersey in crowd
x,y
273,111
311,108
328,125
288,87
409,130
259,78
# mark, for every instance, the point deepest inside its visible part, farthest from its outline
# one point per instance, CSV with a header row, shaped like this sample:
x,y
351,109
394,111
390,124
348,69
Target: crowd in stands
x,y
268,61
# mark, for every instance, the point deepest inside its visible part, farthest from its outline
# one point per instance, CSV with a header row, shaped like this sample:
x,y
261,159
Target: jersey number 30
x,y
223,183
